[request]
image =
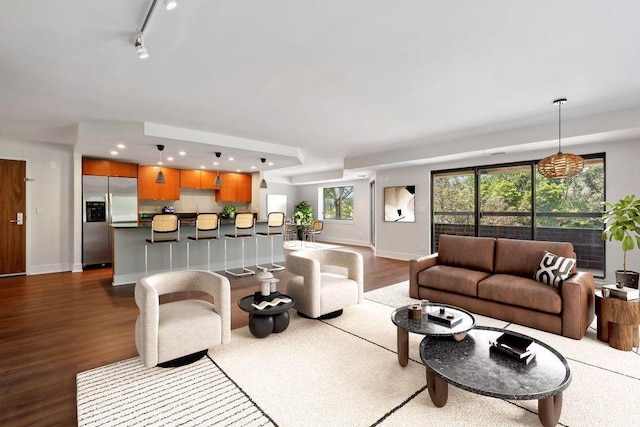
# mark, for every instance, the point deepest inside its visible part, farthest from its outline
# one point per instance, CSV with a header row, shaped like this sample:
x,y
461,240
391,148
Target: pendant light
x,y
561,165
218,181
263,183
160,176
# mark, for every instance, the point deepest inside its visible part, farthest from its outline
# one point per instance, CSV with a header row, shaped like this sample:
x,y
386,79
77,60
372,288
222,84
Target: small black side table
x,y
271,319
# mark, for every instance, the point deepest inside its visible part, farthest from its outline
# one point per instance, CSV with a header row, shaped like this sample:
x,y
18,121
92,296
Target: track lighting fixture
x,y
139,43
160,176
140,49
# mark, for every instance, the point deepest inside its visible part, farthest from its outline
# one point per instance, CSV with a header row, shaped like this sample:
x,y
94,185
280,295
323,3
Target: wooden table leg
x,y
549,410
403,347
438,389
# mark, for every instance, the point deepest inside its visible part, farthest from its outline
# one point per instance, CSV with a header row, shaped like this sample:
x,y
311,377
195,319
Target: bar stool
x,y
205,223
275,223
290,235
244,221
162,223
316,229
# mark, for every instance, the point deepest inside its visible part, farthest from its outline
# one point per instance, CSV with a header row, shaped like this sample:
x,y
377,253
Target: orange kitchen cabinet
x,y
148,189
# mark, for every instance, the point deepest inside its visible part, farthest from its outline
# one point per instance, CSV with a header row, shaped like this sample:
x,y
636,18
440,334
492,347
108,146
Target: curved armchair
x,y
168,331
327,281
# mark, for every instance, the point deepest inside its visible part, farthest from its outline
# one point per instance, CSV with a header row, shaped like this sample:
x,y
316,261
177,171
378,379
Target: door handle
x,y
19,219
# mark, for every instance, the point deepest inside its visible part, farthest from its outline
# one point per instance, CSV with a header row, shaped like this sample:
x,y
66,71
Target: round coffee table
x,y
424,326
469,365
270,319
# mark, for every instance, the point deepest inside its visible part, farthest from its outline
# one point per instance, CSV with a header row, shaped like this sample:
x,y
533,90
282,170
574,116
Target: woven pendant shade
x,y
561,165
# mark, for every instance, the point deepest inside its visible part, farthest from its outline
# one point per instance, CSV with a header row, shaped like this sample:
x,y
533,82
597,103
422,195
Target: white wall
x,y
354,232
50,236
409,240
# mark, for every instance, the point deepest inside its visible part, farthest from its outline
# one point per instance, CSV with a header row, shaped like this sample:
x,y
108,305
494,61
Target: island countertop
x,y
129,241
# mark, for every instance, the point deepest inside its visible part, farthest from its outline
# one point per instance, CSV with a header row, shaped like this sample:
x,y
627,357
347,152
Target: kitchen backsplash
x,y
191,201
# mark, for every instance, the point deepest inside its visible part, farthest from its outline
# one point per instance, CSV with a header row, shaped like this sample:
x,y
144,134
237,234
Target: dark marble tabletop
x,y
469,365
245,305
424,326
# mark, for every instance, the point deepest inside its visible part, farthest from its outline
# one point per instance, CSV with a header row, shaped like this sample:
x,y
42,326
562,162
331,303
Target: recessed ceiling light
x,y
270,163
170,159
231,159
170,4
114,153
182,153
201,166
215,163
238,170
160,163
120,146
253,167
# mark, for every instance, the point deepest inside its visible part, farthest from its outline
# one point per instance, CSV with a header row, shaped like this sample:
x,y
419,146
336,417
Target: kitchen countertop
x,y
183,223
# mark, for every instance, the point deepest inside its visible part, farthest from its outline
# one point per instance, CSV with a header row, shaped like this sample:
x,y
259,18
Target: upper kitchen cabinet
x,y
198,179
236,187
109,168
124,170
96,167
149,190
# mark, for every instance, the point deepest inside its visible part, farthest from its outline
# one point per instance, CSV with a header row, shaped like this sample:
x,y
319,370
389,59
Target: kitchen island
x,y
129,240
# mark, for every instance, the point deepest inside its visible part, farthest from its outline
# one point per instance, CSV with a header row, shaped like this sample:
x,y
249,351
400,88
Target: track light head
x,y
262,159
139,45
160,147
218,154
170,4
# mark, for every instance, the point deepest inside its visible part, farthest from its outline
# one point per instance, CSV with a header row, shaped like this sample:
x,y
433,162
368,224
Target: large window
x,y
515,201
337,203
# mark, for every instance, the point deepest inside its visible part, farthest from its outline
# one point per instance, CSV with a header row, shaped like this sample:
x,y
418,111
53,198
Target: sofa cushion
x,y
522,257
554,269
521,292
452,279
474,253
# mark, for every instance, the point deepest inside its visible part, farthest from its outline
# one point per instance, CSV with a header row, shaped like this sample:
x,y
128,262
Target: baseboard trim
x,y
48,268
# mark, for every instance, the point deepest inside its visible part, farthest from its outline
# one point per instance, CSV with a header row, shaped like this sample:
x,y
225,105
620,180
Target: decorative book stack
x,y
513,347
625,293
444,318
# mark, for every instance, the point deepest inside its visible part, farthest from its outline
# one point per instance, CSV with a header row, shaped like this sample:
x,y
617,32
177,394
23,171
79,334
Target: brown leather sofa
x,y
494,277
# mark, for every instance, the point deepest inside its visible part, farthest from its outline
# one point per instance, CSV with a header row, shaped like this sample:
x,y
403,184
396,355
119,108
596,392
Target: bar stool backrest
x,y
207,222
275,219
244,221
317,225
165,223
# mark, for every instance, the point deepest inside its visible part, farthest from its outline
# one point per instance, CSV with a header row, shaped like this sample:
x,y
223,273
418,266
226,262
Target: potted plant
x,y
622,223
303,213
229,211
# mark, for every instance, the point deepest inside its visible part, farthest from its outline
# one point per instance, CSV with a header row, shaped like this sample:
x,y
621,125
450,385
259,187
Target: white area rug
x,y
344,372
128,394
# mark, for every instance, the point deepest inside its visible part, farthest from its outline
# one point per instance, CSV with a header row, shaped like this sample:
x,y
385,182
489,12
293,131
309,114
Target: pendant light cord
x,y
559,126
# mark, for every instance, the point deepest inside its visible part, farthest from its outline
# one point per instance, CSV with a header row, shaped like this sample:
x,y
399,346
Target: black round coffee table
x,y
469,365
271,319
424,326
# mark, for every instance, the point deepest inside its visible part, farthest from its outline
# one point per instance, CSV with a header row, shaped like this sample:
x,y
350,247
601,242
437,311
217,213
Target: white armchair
x,y
169,331
327,281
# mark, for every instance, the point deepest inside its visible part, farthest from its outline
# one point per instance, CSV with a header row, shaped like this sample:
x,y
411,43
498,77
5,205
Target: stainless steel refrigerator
x,y
105,200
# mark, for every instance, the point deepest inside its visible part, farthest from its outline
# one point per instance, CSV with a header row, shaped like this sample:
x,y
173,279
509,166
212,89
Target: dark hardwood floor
x,y
53,326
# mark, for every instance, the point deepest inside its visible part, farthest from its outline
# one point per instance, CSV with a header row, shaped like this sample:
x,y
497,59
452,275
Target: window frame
x,y
339,218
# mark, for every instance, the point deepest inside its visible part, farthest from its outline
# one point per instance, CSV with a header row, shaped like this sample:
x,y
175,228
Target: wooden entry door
x,y
13,243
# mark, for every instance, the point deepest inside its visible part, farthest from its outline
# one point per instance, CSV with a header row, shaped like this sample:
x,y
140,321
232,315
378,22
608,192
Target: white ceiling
x,y
316,85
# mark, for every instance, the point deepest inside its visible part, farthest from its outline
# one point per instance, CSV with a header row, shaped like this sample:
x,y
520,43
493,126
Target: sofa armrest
x,y
578,304
415,267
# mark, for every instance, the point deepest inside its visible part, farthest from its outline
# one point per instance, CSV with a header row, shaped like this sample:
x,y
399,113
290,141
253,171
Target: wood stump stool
x,y
618,321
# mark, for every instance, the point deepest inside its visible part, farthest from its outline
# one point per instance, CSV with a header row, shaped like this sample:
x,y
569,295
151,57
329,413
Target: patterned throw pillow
x,y
554,269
